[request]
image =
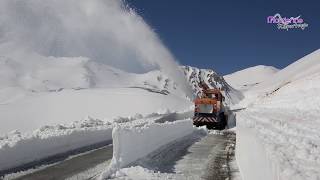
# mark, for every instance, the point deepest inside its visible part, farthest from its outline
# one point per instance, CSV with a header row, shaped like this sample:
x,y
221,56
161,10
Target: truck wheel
x,y
209,127
223,121
195,124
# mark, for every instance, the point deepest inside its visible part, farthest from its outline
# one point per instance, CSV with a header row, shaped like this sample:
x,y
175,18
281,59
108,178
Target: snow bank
x,y
17,149
278,135
287,125
133,143
251,156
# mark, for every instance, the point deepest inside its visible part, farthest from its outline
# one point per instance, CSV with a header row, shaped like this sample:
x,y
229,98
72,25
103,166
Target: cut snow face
x,y
281,126
249,77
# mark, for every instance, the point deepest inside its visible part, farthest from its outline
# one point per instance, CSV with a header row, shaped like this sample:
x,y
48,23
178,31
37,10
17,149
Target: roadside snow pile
x,y
249,77
196,76
18,149
133,143
278,135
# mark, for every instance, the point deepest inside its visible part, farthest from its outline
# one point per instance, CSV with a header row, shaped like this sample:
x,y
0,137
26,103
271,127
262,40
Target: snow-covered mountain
x,y
195,76
246,78
51,85
50,74
56,97
51,90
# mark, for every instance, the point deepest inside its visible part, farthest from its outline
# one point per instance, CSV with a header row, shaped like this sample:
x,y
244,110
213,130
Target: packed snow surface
x,y
283,121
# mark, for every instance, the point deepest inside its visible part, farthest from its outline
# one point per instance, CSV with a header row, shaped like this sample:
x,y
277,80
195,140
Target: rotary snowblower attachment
x,y
209,110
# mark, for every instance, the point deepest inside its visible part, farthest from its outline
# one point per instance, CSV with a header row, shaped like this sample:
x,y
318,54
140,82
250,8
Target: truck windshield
x,y
205,108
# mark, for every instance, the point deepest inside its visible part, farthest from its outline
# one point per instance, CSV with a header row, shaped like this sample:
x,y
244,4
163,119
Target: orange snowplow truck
x,y
209,110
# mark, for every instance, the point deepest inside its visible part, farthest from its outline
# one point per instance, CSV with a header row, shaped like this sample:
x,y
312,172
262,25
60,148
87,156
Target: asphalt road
x,y
72,166
194,157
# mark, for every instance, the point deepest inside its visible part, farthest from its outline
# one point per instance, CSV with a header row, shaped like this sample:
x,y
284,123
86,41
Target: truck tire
x,y
210,126
222,122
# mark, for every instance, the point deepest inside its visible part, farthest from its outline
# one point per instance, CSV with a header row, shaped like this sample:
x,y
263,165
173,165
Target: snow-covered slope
x,y
47,99
42,74
297,71
45,105
195,76
48,90
53,90
246,78
39,109
280,128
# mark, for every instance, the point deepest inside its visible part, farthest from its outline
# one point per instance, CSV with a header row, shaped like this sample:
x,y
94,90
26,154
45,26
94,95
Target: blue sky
x,y
229,35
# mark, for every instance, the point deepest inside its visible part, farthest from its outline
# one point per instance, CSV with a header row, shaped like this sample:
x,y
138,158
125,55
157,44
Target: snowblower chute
x,y
209,110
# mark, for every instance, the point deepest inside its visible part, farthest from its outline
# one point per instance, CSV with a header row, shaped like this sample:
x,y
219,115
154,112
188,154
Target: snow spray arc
x,y
287,23
106,31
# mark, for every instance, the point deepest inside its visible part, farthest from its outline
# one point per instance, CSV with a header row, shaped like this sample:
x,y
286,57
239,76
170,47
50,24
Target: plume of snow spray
x,y
106,31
